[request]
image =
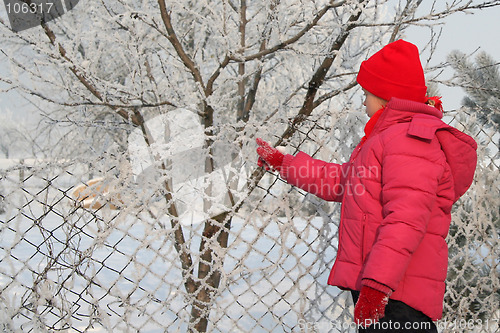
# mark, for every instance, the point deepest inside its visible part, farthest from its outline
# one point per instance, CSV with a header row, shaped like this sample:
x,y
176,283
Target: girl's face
x,y
372,103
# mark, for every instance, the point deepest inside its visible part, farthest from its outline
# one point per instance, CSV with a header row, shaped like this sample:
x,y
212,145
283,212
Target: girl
x,y
397,190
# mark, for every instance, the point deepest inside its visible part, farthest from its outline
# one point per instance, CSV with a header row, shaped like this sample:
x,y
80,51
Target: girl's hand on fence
x,y
269,157
370,306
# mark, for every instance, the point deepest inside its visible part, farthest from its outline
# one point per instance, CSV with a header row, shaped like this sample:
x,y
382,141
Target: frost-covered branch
x,y
409,9
437,16
320,74
172,37
135,117
334,93
289,41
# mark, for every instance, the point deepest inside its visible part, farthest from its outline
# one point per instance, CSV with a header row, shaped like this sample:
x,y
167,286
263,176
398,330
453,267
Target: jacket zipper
x,y
356,153
363,228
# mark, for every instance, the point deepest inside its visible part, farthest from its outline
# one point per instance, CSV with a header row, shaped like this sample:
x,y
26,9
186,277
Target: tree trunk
x,y
209,270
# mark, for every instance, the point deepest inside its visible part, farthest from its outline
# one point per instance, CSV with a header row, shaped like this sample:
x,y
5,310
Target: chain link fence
x,y
117,242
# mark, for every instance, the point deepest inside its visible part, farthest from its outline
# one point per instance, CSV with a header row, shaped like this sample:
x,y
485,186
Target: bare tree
x,y
238,65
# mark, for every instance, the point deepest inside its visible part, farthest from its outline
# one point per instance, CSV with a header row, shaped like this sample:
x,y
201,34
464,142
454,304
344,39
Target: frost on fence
x,y
473,289
128,242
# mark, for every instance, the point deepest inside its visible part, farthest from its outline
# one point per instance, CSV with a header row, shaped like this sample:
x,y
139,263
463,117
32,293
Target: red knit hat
x,y
394,71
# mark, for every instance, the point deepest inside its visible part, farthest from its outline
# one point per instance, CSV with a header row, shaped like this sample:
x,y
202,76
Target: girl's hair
x,y
436,102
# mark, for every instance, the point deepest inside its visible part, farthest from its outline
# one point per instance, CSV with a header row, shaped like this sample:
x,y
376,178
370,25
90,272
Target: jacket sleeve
x,y
325,180
411,171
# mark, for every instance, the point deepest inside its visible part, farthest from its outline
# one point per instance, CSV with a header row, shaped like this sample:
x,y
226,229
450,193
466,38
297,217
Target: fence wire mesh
x,y
124,243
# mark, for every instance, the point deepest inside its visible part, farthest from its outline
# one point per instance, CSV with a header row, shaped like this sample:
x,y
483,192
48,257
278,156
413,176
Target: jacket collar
x,y
371,124
400,111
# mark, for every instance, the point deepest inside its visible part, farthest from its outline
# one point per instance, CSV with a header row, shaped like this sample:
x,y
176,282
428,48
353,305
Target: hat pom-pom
x,y
436,102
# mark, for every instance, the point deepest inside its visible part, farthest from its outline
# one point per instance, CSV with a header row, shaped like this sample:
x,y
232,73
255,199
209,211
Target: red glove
x,y
269,157
370,306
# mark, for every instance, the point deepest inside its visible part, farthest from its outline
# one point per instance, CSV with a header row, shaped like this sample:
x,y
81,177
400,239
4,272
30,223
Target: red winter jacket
x,y
397,191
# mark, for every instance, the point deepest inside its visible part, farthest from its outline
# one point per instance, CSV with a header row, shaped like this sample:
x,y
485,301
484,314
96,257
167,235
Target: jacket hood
x,y
425,123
